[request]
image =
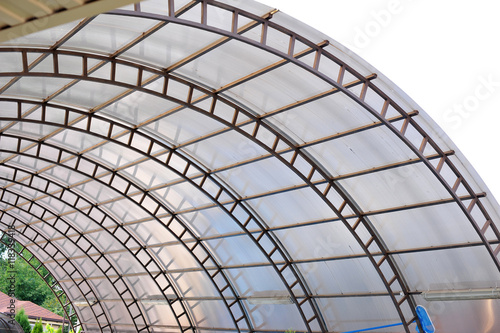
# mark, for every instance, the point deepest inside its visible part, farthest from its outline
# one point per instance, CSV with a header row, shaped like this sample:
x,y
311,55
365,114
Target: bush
x,y
22,319
38,328
49,329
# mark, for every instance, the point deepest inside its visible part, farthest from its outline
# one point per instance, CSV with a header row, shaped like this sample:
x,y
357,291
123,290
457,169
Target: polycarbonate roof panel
x,y
217,166
208,73
160,49
320,118
210,222
323,240
42,38
285,85
173,129
82,95
425,227
443,272
35,87
340,313
138,107
125,29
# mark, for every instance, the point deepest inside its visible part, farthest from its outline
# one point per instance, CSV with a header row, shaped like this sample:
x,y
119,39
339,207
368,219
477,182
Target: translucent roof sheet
x,y
217,166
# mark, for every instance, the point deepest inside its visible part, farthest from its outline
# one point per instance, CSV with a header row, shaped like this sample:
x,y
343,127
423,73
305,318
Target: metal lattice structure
x,y
9,326
212,166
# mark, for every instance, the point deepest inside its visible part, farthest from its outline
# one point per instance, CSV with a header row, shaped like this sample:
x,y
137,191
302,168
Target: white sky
x,y
444,54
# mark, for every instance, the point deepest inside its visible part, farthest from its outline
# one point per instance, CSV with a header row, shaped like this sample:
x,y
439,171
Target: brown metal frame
x,y
142,248
72,231
74,270
58,225
150,264
55,287
380,115
180,237
279,137
373,246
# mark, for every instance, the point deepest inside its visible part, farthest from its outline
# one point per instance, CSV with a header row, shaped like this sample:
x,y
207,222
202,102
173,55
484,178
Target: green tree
x,y
38,328
29,286
58,330
49,328
22,319
5,240
52,304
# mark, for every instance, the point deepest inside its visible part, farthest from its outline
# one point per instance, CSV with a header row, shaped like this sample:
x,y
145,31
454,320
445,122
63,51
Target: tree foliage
x,y
22,319
29,285
38,328
49,328
53,305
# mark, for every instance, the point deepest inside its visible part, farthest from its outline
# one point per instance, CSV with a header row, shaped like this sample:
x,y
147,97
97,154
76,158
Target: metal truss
x,y
86,245
393,281
200,182
53,284
314,176
148,260
67,266
72,232
406,124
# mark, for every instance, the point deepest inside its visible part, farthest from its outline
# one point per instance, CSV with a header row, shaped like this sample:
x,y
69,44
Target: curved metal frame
x,y
114,283
116,175
69,274
320,52
380,115
392,279
57,292
206,176
106,217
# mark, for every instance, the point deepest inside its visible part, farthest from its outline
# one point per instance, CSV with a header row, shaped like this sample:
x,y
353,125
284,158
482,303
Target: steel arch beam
x,y
380,115
364,243
215,197
476,201
56,229
112,232
58,293
119,226
78,285
306,178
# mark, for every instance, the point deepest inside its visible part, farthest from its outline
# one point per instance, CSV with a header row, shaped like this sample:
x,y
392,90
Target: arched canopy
x,y
8,325
23,17
217,166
